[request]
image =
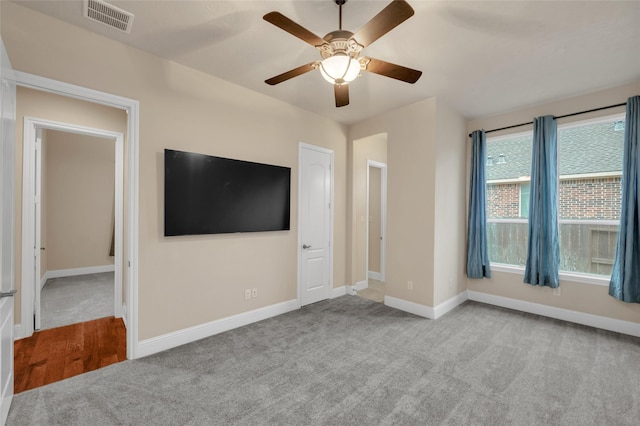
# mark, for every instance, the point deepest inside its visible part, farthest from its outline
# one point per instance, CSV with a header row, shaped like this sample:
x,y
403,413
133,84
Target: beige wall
x,y
186,281
374,148
37,104
450,204
576,296
375,218
411,142
425,205
80,176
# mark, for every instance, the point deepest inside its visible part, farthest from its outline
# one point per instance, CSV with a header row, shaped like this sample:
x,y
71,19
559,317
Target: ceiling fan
x,y
340,49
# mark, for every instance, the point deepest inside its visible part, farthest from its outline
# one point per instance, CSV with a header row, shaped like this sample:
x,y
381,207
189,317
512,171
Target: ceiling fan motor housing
x,y
340,41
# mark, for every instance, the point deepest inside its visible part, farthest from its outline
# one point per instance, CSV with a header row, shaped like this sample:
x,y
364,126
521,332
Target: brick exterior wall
x,y
503,200
578,199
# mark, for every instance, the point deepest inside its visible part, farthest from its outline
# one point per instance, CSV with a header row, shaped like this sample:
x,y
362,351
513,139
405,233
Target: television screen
x,y
214,195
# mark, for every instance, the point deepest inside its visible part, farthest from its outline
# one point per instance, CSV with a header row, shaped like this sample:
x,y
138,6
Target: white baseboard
x,y
177,338
605,323
59,273
338,291
423,310
354,289
361,285
375,275
123,315
448,305
411,307
18,332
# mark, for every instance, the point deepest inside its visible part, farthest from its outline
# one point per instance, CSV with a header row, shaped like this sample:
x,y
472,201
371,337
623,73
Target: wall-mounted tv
x,y
214,195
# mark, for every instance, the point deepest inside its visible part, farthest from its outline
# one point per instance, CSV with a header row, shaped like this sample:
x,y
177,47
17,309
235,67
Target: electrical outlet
x,y
410,285
247,294
254,292
556,291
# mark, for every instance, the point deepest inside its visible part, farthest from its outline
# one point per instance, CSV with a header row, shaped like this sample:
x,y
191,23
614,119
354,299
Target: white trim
x,y
423,310
361,285
383,220
564,276
31,223
338,291
410,307
187,335
132,107
354,289
580,176
375,275
44,279
301,146
72,272
18,332
124,314
597,321
449,305
584,122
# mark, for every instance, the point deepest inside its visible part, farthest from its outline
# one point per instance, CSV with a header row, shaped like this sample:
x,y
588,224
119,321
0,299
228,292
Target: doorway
x,y
369,217
35,255
77,228
376,230
131,108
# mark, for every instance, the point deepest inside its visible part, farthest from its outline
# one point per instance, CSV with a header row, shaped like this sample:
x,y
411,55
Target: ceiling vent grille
x,y
107,14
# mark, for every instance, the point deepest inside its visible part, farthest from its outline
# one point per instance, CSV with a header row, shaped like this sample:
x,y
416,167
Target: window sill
x,y
564,276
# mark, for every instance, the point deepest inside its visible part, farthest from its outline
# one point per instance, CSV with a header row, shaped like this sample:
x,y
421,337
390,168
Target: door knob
x,y
304,246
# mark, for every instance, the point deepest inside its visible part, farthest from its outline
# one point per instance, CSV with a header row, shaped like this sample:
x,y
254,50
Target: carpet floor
x,y
350,361
70,300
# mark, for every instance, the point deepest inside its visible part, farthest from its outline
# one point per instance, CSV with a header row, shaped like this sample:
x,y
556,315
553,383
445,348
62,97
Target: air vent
x,y
107,14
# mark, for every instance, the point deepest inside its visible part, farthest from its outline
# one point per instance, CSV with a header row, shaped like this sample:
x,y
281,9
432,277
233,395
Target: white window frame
x,y
577,277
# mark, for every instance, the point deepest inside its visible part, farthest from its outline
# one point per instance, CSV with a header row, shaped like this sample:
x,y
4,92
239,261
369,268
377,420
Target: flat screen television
x,y
213,195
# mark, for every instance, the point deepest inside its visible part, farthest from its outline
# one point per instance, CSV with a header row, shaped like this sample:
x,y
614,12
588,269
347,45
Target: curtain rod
x,y
560,116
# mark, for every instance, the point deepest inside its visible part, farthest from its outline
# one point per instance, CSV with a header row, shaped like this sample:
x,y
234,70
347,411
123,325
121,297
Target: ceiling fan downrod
x,y
340,3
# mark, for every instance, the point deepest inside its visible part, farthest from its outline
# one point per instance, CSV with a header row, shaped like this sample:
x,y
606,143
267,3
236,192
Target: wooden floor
x,y
59,353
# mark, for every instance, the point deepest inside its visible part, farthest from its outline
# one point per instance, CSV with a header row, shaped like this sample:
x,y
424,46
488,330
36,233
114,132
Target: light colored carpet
x,y
375,291
69,300
350,361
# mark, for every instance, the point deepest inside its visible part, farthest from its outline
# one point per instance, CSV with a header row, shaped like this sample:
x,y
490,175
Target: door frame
x,y
31,236
383,219
301,147
132,108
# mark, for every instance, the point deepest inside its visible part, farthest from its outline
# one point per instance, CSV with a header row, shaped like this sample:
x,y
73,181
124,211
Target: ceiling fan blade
x,y
291,73
281,21
388,69
390,17
342,94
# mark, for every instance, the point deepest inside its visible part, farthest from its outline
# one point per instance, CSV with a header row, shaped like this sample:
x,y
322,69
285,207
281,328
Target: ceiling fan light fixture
x,y
339,69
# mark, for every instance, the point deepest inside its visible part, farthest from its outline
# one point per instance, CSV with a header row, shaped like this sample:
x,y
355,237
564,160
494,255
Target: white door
x,y
7,170
315,212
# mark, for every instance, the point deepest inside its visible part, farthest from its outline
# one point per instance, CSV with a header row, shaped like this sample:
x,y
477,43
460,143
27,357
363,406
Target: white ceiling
x,y
480,57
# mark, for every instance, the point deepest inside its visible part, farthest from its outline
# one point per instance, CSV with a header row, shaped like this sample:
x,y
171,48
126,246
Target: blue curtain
x,y
625,278
543,251
477,251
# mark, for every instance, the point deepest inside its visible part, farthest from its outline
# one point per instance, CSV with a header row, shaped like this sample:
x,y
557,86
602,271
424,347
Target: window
x,y
589,195
508,198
